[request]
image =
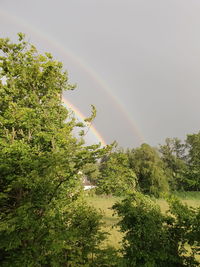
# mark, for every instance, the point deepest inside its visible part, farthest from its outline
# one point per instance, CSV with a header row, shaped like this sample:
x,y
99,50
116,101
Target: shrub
x,y
154,239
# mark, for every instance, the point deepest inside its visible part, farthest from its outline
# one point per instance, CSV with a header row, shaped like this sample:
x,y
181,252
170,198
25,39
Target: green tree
x,y
91,170
116,177
192,177
153,239
39,163
174,156
149,170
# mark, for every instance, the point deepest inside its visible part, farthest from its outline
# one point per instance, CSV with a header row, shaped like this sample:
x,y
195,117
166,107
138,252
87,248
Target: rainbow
x,y
82,117
66,53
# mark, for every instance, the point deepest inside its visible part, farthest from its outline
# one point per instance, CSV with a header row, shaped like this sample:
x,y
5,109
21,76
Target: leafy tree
x,y
154,239
174,157
91,170
116,177
149,170
42,221
192,177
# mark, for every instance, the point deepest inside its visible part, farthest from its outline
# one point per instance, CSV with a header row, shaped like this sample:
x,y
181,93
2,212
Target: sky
x,y
137,61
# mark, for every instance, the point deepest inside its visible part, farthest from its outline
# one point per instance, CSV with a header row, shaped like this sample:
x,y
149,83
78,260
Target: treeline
x,y
172,166
152,238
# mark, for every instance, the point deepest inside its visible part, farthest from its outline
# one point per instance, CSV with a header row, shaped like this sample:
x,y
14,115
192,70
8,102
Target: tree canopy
x,y
149,170
40,160
116,177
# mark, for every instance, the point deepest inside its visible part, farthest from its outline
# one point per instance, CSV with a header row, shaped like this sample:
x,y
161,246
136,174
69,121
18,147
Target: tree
x,y
192,177
39,163
174,156
91,170
116,177
153,239
149,170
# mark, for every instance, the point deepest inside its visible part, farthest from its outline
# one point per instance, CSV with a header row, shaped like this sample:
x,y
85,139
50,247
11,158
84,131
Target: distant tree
x,y
153,239
92,172
192,177
42,220
174,156
116,177
149,170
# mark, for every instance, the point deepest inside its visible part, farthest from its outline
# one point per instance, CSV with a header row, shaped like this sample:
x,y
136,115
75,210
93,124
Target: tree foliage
x,y
92,172
42,221
149,170
173,155
192,177
154,239
116,177
182,161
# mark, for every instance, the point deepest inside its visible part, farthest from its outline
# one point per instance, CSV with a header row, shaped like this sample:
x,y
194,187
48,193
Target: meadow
x,y
104,205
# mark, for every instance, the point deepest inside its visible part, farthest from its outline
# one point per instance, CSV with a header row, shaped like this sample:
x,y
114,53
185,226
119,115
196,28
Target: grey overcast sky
x,y
137,61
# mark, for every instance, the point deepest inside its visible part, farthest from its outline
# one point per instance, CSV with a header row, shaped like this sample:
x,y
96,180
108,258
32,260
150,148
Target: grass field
x,y
104,205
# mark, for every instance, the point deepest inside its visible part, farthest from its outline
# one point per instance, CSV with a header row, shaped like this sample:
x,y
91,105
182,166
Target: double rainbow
x,y
66,53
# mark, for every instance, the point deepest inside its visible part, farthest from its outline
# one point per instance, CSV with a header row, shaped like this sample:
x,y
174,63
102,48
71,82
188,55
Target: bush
x,y
154,239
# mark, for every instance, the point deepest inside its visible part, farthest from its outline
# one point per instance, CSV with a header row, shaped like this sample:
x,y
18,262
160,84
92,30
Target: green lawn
x,y
104,205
